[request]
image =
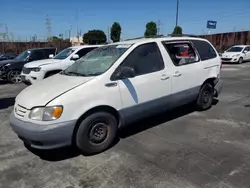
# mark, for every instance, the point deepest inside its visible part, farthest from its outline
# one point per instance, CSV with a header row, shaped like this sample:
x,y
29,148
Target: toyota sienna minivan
x,y
115,85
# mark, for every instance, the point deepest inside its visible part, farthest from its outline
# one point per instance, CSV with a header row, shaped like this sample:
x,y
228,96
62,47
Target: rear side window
x,y
84,51
205,50
37,55
181,53
145,59
50,51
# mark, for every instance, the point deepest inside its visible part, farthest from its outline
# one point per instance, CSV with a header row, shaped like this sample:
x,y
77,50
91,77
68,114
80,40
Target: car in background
x,y
236,54
10,70
7,56
38,70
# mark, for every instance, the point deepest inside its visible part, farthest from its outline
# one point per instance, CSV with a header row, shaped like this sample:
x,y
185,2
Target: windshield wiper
x,y
73,73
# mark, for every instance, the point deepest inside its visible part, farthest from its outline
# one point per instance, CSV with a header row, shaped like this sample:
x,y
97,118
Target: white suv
x,y
115,85
38,70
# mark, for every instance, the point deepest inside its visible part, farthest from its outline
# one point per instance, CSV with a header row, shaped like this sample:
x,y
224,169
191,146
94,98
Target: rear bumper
x,y
43,136
218,87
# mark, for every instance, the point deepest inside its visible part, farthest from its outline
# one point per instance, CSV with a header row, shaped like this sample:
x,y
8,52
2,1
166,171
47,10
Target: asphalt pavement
x,y
178,149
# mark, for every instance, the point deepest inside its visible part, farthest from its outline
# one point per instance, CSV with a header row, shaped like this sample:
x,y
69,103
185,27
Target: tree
x,y
94,37
177,30
115,32
151,29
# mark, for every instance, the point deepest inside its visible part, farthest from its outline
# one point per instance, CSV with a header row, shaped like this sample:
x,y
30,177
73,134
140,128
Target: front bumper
x,y
43,136
230,60
32,77
218,87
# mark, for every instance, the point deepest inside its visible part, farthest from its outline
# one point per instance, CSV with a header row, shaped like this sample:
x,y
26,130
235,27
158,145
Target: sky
x,y
25,18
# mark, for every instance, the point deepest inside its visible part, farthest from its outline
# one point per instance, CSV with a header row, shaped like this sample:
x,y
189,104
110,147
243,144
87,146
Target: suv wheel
x,y
206,97
96,133
14,76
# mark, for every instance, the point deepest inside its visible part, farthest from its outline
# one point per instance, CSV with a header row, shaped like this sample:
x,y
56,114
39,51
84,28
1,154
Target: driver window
x,y
145,59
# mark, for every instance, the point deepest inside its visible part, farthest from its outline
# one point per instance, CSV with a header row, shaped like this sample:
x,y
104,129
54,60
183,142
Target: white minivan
x,y
115,85
38,70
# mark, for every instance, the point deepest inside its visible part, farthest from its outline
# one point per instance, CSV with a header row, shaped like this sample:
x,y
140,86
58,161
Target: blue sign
x,y
211,24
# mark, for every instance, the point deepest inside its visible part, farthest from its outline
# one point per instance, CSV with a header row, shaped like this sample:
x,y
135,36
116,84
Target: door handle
x,y
177,74
164,77
111,84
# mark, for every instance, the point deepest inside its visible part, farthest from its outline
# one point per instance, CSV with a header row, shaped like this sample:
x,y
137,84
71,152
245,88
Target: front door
x,y
146,93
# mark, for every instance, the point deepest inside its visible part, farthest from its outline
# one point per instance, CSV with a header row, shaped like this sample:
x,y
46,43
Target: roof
x,y
85,46
42,48
240,46
161,38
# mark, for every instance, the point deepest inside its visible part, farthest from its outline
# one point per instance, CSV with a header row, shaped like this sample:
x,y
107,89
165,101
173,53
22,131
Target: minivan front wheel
x,y
206,97
96,133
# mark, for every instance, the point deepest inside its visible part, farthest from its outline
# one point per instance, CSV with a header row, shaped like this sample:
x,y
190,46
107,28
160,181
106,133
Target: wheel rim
x,y
98,132
15,77
206,99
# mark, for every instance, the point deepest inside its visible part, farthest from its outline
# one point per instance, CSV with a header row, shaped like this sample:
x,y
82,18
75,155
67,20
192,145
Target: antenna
x,y
48,27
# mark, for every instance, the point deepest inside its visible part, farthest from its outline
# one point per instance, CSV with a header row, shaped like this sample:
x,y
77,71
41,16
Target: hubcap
x,y
98,133
206,97
15,77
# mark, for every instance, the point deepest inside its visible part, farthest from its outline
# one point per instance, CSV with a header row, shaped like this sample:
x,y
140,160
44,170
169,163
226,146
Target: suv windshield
x,y
23,55
235,49
64,54
97,61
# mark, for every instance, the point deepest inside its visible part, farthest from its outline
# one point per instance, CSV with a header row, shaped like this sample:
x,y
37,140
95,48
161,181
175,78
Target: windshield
x,y
64,54
235,49
23,55
97,61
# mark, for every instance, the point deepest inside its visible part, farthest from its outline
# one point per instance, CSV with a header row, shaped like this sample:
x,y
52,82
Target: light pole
x,y
177,13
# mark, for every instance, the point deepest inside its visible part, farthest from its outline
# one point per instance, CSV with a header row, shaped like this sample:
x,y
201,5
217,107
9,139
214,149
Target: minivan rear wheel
x,y
96,133
206,97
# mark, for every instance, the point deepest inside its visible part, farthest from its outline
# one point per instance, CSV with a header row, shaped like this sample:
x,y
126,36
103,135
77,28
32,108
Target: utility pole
x,y
177,13
158,27
48,27
108,35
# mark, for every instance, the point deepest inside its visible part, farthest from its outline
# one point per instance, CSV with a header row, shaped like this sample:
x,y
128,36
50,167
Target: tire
x,y
100,123
14,76
205,98
240,60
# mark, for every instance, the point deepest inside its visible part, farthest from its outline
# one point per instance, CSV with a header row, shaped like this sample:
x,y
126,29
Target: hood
x,y
230,54
48,89
41,62
10,61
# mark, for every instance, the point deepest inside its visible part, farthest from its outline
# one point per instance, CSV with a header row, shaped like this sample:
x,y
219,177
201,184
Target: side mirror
x,y
123,73
51,56
245,51
75,57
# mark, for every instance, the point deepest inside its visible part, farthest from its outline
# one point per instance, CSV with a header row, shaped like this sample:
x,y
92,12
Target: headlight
x,y
46,113
36,69
7,64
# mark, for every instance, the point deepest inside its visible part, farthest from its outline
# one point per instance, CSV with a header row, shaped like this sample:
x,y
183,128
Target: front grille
x,y
26,70
20,111
226,59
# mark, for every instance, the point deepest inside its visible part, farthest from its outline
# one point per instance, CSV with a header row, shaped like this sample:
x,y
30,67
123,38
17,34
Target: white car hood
x,y
41,62
48,89
230,54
